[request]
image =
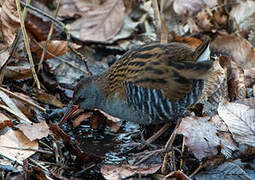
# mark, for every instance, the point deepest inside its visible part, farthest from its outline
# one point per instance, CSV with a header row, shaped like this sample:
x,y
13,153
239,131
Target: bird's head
x,y
87,94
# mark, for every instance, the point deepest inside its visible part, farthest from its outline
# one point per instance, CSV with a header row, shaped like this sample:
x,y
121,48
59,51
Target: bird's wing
x,y
170,68
175,80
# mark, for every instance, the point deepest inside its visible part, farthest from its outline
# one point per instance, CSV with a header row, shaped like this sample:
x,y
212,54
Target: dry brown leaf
x,y
25,108
80,118
46,98
19,140
189,7
228,144
9,21
21,70
191,41
34,131
239,48
201,136
240,121
114,126
207,136
118,172
55,47
128,28
101,23
96,120
5,121
68,9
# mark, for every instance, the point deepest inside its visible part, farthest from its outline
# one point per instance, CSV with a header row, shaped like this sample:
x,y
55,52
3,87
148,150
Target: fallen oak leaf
x,y
101,23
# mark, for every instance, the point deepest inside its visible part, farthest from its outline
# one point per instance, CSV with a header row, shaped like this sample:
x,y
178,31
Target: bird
x,y
151,84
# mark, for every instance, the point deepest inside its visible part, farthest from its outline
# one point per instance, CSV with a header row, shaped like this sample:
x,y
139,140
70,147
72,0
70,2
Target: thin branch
x,y
30,58
48,38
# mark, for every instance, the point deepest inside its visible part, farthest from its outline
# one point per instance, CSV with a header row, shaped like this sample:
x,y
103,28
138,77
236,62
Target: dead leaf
x,y
177,175
96,120
228,144
80,118
128,28
191,41
114,126
68,9
21,70
25,108
108,116
46,98
190,7
226,171
38,27
101,23
34,131
55,47
19,140
11,107
9,21
240,121
239,48
118,172
201,136
5,121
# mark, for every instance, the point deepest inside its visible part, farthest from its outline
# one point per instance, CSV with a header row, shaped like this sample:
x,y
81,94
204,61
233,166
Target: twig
x,y
11,159
46,145
181,161
149,154
48,38
157,16
22,99
30,58
29,149
86,65
39,165
163,32
196,171
170,141
23,119
158,133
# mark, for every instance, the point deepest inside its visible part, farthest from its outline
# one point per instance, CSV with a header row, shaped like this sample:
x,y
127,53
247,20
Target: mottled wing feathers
x,y
169,68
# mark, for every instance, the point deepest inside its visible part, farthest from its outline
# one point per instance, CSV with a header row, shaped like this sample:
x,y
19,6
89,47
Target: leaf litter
x,y
214,141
